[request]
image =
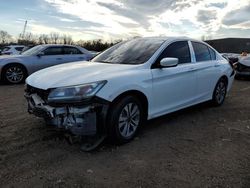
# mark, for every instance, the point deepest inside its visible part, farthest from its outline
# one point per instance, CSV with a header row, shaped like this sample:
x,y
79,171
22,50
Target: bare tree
x,y
54,37
5,37
44,38
28,39
67,39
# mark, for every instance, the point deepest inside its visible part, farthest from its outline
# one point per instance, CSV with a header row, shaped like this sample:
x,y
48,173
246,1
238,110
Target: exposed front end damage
x,y
242,70
83,119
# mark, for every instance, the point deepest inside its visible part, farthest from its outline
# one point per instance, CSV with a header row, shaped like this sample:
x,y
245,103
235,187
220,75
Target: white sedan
x,y
14,69
133,81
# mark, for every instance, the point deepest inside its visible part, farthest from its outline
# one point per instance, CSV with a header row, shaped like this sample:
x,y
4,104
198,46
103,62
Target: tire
x,y
14,74
124,119
220,92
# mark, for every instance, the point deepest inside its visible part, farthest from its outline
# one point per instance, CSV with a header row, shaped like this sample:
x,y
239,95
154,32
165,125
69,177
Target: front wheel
x,y
125,118
14,74
220,92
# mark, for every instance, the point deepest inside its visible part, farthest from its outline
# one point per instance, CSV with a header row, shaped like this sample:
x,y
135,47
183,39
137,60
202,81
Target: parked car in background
x,y
128,83
243,66
27,48
12,50
14,69
233,58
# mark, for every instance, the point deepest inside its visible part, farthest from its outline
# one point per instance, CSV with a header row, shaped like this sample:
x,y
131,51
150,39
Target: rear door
x,y
51,56
72,54
174,87
207,70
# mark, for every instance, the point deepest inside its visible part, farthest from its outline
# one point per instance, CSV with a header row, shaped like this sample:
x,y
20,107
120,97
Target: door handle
x,y
217,65
58,58
80,58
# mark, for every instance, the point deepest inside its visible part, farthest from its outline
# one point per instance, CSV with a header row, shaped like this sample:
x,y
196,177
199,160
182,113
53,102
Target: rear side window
x,y
53,51
71,50
212,53
201,52
178,50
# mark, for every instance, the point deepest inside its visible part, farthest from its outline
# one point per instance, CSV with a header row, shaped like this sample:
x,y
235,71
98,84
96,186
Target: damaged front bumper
x,y
242,70
81,119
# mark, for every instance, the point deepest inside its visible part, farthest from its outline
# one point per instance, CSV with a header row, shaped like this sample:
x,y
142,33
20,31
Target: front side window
x,y
178,50
71,50
53,51
201,52
19,48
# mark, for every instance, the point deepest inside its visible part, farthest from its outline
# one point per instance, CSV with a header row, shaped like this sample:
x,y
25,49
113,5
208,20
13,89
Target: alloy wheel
x,y
14,74
220,92
129,120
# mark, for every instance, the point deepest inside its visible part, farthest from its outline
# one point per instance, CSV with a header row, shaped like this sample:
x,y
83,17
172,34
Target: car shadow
x,y
243,78
6,84
153,125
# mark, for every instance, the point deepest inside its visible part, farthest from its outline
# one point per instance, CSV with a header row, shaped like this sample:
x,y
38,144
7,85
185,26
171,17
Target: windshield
x,y
136,51
34,50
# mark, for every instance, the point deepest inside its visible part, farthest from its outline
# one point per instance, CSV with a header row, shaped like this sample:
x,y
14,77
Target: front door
x,y
174,87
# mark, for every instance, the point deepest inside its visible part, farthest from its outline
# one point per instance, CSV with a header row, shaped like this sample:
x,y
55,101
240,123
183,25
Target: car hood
x,y
76,73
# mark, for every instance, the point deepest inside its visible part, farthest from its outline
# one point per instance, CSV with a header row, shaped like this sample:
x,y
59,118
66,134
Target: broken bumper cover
x,y
79,120
242,70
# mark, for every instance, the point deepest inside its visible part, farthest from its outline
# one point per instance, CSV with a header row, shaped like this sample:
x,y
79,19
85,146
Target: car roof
x,y
67,45
170,38
15,46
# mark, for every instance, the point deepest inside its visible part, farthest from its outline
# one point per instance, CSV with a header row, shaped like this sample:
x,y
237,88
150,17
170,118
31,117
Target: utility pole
x,y
24,29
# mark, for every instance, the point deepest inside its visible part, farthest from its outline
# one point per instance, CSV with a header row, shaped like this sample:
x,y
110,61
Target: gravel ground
x,y
202,146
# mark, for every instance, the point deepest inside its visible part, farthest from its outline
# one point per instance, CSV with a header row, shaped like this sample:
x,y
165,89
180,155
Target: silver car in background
x,y
14,69
12,50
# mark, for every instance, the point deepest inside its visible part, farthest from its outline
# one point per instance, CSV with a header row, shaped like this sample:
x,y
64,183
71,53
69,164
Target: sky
x,y
122,19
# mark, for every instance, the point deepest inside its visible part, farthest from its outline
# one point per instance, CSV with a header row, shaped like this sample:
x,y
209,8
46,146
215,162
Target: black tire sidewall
x,y
9,66
215,102
113,117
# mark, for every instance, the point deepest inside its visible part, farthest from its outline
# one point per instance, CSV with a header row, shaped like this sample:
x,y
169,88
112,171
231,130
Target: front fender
x,y
111,96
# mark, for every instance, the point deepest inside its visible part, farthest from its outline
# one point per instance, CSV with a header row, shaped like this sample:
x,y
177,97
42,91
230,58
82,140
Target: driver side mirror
x,y
40,54
169,62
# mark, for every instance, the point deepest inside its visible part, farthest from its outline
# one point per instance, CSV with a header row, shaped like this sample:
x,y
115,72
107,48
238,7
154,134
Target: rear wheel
x,y
220,92
125,118
14,74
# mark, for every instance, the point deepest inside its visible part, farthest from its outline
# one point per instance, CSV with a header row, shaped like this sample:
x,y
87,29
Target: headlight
x,y
75,93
